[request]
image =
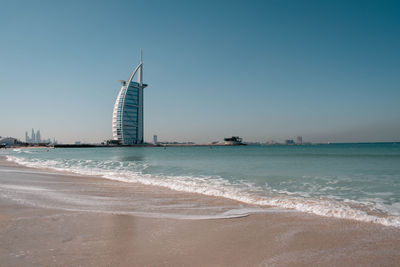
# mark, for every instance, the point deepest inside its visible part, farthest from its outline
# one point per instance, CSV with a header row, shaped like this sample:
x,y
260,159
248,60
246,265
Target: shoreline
x,y
114,146
317,206
59,235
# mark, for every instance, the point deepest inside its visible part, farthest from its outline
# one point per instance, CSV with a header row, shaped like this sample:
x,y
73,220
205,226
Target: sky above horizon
x,y
263,70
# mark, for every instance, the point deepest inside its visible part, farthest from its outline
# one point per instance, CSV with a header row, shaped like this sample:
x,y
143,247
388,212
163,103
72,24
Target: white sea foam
x,y
213,186
20,151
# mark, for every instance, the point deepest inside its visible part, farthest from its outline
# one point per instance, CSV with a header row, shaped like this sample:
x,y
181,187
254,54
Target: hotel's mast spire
x,y
140,74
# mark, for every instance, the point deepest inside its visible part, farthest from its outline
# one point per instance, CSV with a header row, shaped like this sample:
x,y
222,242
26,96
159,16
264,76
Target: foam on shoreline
x,y
214,186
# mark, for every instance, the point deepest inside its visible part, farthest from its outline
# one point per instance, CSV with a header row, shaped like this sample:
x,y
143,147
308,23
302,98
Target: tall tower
x,y
38,138
33,138
127,119
299,140
26,137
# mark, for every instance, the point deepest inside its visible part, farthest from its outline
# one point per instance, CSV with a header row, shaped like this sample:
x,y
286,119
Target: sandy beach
x,y
58,219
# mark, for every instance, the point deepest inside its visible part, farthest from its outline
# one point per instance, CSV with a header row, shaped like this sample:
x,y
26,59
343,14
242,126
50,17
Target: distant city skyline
x,y
36,138
266,70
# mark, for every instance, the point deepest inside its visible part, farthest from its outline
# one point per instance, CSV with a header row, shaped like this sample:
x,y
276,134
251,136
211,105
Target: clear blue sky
x,y
326,70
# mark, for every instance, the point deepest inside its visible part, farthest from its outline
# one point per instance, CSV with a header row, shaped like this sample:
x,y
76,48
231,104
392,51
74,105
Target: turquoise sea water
x,y
355,181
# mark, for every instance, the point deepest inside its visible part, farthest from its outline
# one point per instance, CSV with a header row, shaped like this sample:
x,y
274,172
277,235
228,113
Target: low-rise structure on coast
x,y
9,141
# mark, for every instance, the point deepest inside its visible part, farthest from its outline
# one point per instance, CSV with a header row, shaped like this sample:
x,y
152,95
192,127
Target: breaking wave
x,y
243,191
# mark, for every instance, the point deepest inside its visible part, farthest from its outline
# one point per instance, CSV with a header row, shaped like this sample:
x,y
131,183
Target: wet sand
x,y
60,219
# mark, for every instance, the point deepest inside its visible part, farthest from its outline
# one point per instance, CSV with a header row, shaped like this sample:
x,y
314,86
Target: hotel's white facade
x,y
127,119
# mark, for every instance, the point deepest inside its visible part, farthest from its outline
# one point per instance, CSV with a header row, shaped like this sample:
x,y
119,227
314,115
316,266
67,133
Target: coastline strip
x,y
321,207
32,235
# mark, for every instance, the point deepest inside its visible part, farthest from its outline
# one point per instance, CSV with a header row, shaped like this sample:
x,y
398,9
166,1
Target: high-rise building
x,y
299,140
33,137
127,119
38,140
27,140
155,139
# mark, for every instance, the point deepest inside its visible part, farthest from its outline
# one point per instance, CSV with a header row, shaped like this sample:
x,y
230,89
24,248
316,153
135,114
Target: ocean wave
x,y
218,187
20,151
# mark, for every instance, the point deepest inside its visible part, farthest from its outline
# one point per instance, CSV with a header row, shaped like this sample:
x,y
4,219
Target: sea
x,y
352,181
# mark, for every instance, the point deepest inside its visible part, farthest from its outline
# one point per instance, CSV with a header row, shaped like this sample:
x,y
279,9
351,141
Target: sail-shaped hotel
x,y
127,119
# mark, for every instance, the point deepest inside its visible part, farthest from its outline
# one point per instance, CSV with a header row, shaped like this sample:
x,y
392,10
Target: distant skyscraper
x,y
38,140
26,137
33,137
299,140
127,119
155,139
